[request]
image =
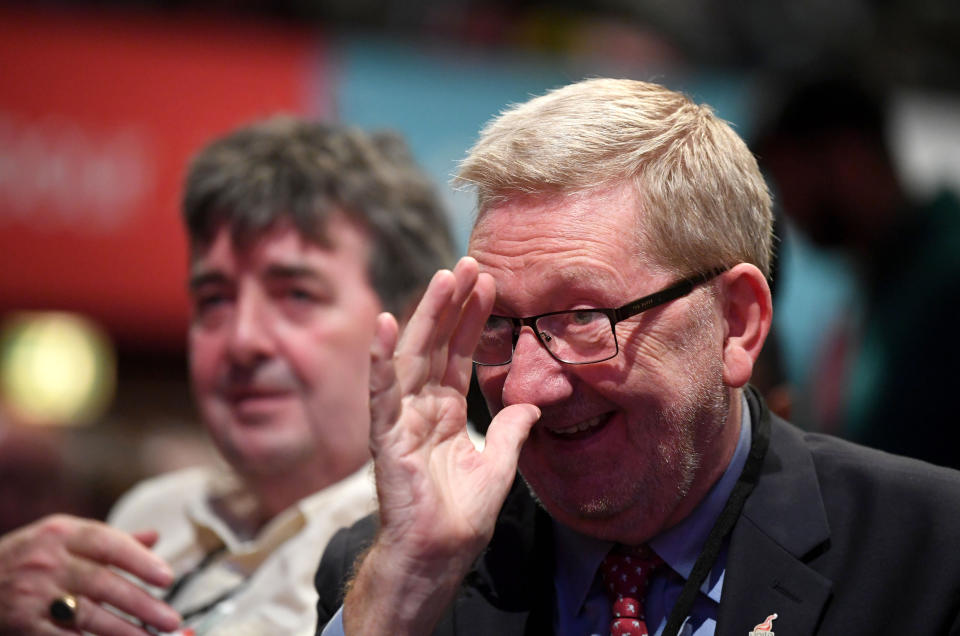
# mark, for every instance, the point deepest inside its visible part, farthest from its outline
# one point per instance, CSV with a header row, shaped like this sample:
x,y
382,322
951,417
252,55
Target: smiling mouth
x,y
246,396
258,407
256,396
582,427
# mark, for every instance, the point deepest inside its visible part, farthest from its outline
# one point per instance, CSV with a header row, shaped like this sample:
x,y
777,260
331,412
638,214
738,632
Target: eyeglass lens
x,y
573,336
578,336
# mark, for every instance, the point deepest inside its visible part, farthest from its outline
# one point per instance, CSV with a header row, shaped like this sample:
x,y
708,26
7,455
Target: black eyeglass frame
x,y
614,315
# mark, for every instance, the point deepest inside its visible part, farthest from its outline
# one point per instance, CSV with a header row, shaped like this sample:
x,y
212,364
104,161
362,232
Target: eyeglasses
x,y
577,336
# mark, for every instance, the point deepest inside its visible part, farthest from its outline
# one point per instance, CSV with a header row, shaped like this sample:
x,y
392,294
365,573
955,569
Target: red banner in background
x,y
99,114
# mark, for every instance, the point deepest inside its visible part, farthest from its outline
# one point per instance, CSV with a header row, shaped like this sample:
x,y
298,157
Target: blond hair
x,y
705,202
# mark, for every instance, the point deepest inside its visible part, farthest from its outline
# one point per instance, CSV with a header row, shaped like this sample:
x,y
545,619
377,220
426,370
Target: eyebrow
x,y
279,270
275,271
580,281
201,278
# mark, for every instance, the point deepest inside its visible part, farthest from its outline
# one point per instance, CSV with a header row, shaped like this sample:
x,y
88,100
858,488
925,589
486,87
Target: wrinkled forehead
x,y
564,250
604,222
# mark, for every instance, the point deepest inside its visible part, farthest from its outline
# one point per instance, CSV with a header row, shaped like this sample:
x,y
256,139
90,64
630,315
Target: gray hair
x,y
305,172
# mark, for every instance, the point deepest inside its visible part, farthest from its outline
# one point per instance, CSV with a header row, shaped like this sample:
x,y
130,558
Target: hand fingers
x,y
464,339
384,390
93,618
102,585
147,538
103,544
508,431
90,618
61,554
422,351
415,346
466,273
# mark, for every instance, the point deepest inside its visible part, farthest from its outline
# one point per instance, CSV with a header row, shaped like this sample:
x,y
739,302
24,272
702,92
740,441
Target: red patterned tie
x,y
626,572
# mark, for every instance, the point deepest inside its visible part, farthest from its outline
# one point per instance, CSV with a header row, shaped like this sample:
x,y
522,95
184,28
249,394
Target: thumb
x,y
506,435
146,538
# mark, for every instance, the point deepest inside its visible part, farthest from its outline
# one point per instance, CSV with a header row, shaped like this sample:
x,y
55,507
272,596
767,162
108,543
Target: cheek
x,y
329,357
642,354
205,353
647,345
681,369
651,371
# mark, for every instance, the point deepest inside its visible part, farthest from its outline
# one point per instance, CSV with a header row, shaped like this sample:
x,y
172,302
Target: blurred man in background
x,y
886,367
300,235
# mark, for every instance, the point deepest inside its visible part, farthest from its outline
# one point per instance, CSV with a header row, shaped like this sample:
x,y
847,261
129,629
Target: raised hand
x,y
63,555
439,497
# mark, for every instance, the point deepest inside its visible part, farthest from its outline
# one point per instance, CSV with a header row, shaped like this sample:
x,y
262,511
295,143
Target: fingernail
x,y
171,618
163,571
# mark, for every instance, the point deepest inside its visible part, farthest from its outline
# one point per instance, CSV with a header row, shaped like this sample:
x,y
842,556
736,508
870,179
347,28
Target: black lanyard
x,y
759,441
188,576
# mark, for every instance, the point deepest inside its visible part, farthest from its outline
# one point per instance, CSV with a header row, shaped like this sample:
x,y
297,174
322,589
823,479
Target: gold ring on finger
x,y
63,610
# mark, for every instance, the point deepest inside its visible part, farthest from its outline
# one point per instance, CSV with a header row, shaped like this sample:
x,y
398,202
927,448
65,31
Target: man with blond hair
x,y
613,304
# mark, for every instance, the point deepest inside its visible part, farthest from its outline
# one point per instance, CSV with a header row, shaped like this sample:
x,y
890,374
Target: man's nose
x,y
534,376
251,337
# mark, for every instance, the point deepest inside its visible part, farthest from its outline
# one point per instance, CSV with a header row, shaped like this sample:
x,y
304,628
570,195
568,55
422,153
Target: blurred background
x,y
102,104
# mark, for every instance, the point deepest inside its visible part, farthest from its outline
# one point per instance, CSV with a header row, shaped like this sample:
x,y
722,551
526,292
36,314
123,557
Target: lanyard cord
x,y
760,440
188,576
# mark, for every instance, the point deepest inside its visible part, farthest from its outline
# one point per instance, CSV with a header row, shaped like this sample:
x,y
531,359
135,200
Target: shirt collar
x,y
577,559
222,523
578,556
336,500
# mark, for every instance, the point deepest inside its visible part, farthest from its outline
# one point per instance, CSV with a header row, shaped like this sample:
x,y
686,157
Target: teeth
x,y
577,428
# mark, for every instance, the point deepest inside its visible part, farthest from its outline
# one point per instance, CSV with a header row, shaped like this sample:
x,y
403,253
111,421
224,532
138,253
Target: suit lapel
x,y
769,580
783,524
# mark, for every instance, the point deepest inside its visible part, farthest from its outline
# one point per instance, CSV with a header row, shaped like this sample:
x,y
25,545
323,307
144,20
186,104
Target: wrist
x,y
393,594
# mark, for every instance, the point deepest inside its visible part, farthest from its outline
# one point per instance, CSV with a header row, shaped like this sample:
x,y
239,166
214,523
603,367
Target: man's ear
x,y
747,313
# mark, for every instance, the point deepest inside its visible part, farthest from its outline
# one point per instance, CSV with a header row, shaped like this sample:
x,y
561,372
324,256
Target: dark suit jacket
x,y
835,538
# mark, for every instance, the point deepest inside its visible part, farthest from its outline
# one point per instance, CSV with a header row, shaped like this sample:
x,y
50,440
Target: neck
x,y
716,451
276,492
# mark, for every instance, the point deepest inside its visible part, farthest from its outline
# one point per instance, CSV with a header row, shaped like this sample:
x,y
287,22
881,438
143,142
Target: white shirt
x,y
265,581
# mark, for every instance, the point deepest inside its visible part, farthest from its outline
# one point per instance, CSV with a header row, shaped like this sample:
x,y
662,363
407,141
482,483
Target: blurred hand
x,y
439,497
61,555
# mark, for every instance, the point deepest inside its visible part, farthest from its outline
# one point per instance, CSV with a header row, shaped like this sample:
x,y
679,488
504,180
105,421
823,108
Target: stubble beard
x,y
676,435
675,459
